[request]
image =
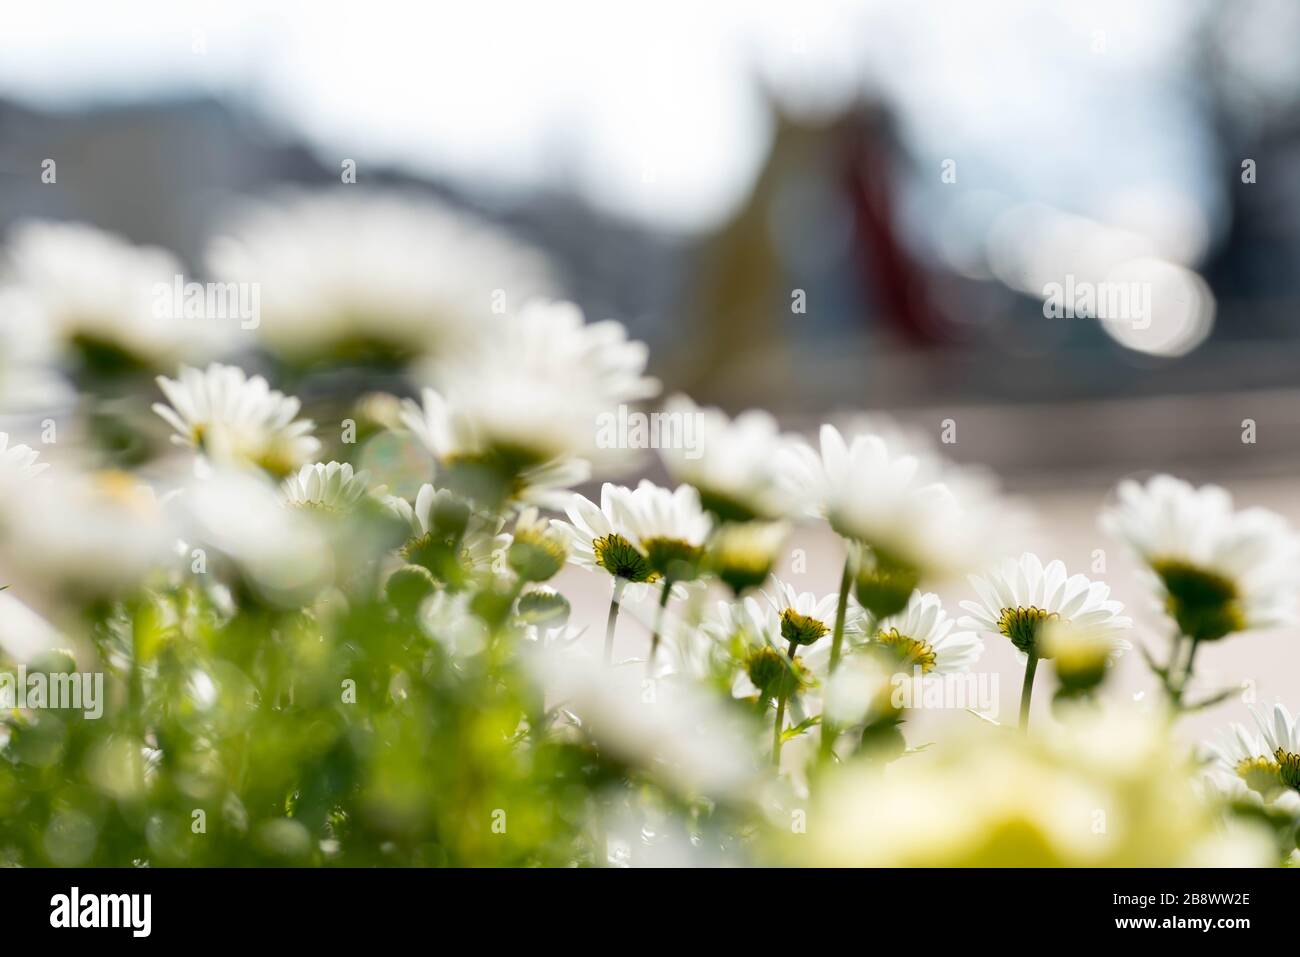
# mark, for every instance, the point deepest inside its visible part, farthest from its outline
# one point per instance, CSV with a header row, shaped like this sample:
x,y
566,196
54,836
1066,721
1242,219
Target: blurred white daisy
x,y
280,553
923,636
19,460
916,514
533,387
390,277
28,382
446,618
732,462
861,691
18,468
453,441
102,299
560,639
234,419
535,550
1081,655
900,439
747,622
1217,570
1267,758
25,635
957,805
330,487
694,742
743,554
1020,596
89,533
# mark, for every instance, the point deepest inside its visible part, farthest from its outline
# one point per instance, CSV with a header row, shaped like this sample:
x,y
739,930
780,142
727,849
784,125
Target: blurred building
x,y
822,291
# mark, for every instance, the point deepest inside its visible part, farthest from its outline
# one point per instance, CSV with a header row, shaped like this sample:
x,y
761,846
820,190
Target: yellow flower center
x,y
1260,773
1288,768
801,629
1022,626
673,558
910,652
622,559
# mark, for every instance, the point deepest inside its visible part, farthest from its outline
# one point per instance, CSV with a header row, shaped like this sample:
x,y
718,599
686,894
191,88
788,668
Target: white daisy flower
x,y
1019,599
451,439
330,487
759,631
778,616
105,299
280,552
440,513
733,462
1020,596
19,460
365,276
803,618
919,517
670,525
640,534
923,636
1218,570
1267,759
808,621
599,536
532,389
233,419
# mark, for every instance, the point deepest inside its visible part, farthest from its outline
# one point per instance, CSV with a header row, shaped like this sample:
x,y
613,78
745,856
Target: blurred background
x,y
813,207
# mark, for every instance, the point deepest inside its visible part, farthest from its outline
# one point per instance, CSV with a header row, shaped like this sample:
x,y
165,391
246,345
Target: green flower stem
x,y
659,624
135,680
614,605
778,727
1027,689
1177,691
841,611
1175,657
496,653
837,641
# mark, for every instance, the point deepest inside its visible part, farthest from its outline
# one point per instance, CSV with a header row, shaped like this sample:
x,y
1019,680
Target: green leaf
x,y
803,726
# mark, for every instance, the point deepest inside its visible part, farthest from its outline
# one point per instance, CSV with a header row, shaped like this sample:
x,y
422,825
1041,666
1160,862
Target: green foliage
x,y
340,735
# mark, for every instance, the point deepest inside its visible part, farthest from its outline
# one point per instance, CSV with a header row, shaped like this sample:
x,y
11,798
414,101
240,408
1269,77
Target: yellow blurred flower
x,y
1098,790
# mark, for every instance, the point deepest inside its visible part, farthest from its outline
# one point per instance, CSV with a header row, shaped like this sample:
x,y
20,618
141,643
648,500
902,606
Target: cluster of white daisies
x,y
507,415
